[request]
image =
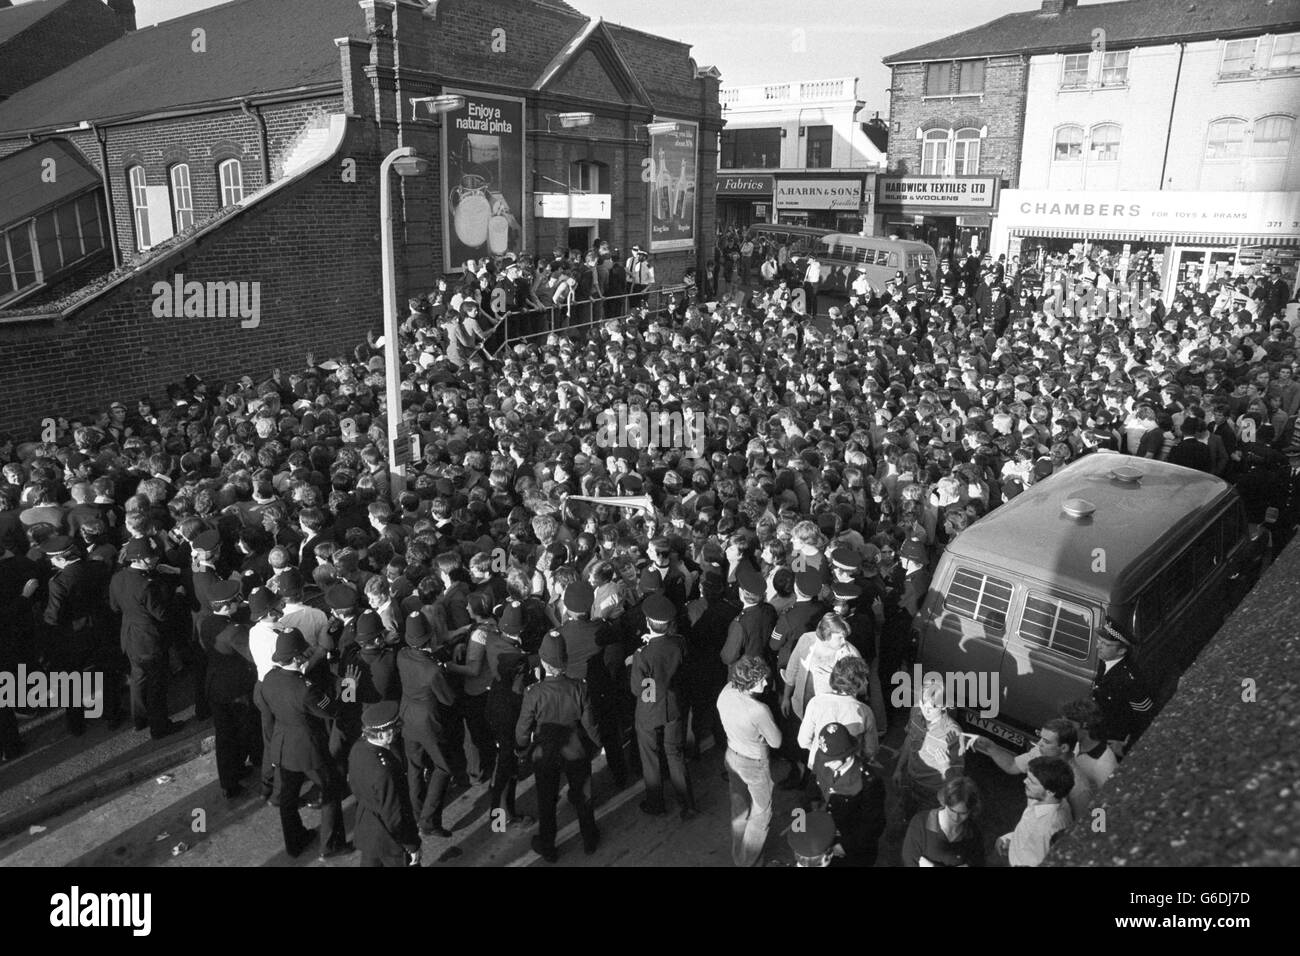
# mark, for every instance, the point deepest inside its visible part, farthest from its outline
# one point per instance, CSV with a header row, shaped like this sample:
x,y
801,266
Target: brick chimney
x,y
1055,7
125,10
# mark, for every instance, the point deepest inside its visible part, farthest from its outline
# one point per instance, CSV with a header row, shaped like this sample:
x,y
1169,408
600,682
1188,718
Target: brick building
x,y
241,144
41,37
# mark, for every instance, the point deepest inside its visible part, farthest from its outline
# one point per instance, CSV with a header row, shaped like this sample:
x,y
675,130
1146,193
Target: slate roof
x,y
14,20
1127,23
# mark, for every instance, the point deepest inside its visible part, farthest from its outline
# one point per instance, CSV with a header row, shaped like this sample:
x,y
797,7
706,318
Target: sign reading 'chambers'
x,y
938,192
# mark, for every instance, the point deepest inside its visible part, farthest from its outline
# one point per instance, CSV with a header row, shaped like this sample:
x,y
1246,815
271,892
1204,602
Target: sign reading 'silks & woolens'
x,y
938,192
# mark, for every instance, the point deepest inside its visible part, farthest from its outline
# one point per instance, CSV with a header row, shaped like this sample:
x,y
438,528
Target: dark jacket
x,y
142,600
385,822
300,714
655,680
556,718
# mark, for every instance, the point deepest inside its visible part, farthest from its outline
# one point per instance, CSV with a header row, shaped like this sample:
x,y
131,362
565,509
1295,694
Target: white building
x,y
1165,129
798,153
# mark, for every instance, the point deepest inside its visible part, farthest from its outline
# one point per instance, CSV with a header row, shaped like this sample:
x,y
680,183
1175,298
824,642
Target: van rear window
x,y
1056,626
980,598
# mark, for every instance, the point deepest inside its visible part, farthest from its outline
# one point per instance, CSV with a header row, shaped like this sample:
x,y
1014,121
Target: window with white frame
x,y
1239,55
966,152
586,177
1069,145
1114,68
1285,54
1271,138
231,176
1226,139
182,197
1103,143
1074,70
934,153
139,206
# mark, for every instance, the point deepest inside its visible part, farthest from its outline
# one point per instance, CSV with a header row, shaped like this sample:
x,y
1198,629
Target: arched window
x,y
934,153
231,176
1272,137
182,197
966,157
139,206
1225,139
1103,143
1069,145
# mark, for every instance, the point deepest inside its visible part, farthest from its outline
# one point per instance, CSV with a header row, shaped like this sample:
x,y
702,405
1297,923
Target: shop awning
x,y
1131,235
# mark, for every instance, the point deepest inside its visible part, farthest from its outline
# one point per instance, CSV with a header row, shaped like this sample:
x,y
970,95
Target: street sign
x,y
402,445
566,206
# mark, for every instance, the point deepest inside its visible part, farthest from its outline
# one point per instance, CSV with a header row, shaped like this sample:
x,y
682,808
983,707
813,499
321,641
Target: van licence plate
x,y
996,729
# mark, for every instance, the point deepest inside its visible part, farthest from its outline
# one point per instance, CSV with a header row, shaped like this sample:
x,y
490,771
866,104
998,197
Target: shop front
x,y
953,214
835,204
1178,239
744,199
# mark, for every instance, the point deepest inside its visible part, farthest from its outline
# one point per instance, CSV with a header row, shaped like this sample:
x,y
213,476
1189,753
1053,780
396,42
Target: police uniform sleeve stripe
x,y
1142,705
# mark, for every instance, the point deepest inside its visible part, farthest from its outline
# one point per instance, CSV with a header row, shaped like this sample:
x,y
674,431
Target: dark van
x,y
1024,590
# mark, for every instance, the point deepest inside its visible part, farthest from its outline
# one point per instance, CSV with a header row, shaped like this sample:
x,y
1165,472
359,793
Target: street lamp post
x,y
406,163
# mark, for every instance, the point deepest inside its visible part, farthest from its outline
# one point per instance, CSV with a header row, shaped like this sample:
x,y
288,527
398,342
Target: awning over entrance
x,y
1129,235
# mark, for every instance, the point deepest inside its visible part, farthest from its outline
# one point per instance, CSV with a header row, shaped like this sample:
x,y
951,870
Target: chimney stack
x,y
125,10
1056,7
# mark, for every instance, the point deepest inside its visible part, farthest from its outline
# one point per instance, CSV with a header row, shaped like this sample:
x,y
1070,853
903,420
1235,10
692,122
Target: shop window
x,y
1239,56
139,206
934,153
182,197
1226,139
938,79
1285,54
1114,68
751,148
970,77
1069,145
1074,70
1272,137
231,176
1103,143
819,147
966,153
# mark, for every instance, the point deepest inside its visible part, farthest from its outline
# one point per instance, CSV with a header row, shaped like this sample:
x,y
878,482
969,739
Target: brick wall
x,y
1001,108
534,34
74,30
314,249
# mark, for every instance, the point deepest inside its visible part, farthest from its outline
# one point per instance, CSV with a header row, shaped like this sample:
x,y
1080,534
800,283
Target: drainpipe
x,y
1182,48
108,194
256,114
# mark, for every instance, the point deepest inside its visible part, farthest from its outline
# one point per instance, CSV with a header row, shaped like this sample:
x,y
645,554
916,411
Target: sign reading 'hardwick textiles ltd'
x,y
938,192
819,194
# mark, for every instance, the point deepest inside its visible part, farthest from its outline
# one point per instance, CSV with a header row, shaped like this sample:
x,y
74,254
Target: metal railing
x,y
575,316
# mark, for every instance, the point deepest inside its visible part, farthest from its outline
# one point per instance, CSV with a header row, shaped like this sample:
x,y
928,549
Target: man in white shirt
x,y
312,622
1047,785
1093,759
1057,738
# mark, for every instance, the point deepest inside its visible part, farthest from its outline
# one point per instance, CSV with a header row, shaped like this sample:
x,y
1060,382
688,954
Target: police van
x,y
1023,592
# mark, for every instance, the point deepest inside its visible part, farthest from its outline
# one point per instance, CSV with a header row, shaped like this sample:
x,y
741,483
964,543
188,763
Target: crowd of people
x,y
474,620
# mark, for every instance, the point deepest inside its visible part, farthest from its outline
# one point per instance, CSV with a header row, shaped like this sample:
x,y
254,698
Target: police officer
x,y
709,618
427,710
584,643
750,633
73,595
813,843
385,831
300,712
800,618
229,678
557,725
655,676
202,580
1119,690
369,667
505,699
142,600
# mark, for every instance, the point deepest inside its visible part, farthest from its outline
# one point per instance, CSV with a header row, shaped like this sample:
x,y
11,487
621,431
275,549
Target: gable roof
x,y
265,47
595,38
1127,23
20,197
14,20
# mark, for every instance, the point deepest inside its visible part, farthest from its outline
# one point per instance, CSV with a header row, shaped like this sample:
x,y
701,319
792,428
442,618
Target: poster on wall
x,y
482,178
673,189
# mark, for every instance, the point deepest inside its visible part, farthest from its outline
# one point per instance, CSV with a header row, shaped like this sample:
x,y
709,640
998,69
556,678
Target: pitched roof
x,y
14,20
1127,23
264,47
18,172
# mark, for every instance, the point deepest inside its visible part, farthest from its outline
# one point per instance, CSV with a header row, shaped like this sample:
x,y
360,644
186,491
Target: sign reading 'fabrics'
x,y
819,194
939,193
741,185
483,178
672,172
